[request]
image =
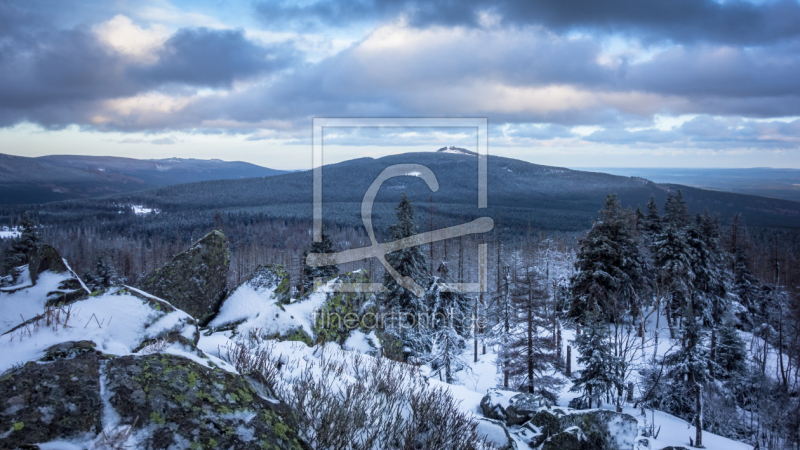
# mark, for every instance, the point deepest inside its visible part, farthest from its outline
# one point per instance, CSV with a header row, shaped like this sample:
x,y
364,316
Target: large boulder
x,y
75,393
194,281
603,430
522,407
495,402
181,404
272,277
569,439
59,399
44,257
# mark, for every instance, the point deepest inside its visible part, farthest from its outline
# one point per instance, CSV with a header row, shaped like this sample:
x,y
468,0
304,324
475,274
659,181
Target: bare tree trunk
x,y
475,328
569,362
530,341
669,322
713,349
698,418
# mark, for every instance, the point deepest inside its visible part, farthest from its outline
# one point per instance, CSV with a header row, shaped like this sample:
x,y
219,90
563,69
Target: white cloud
x,y
124,36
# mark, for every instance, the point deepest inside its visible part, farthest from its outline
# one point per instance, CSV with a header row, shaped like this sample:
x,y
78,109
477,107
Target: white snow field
x,y
121,318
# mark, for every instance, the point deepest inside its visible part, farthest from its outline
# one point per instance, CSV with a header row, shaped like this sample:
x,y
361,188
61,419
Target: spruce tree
x,y
673,258
652,221
408,262
730,354
599,375
17,254
708,265
103,276
688,371
611,273
747,288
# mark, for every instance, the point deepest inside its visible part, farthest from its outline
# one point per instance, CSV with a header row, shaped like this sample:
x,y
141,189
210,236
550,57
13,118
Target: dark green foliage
x,y
22,246
408,262
730,353
103,276
708,265
599,375
611,271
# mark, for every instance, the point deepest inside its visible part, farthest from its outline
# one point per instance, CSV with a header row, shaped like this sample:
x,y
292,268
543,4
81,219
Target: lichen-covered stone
x,y
604,430
565,440
194,281
342,312
44,257
547,422
60,399
181,404
275,277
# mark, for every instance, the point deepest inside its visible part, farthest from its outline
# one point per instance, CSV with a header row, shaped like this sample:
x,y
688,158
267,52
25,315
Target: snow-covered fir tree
x,y
730,353
600,374
673,260
689,371
103,274
611,272
17,254
711,280
652,221
408,262
747,288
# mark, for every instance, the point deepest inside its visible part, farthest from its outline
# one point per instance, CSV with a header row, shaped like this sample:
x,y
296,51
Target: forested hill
x,y
520,194
63,177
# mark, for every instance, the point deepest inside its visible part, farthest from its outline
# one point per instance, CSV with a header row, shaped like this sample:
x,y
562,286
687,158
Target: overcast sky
x,y
575,83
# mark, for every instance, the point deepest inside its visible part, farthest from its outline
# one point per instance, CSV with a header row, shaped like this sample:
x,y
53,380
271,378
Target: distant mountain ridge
x,y
764,181
520,194
43,179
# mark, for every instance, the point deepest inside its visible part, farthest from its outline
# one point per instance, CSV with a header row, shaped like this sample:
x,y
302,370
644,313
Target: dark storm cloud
x,y
203,57
735,22
54,76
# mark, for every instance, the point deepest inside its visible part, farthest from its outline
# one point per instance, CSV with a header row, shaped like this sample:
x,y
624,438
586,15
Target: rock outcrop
x,y
76,393
533,419
59,399
604,430
194,281
44,257
182,404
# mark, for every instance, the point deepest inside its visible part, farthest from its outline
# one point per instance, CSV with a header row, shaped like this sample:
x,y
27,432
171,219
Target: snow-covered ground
x,y
8,233
120,319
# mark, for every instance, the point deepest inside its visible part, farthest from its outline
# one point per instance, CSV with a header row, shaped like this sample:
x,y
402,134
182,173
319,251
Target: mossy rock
x,y
43,258
59,400
546,422
195,280
564,441
274,277
68,350
180,404
604,430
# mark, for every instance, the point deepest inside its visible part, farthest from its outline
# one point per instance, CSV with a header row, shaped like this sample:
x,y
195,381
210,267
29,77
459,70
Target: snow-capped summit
x,y
457,151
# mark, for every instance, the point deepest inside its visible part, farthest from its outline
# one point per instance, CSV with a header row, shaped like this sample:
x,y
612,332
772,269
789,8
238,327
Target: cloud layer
x,y
571,71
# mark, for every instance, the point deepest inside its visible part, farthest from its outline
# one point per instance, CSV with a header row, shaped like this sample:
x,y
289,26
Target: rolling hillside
x,y
63,177
520,194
